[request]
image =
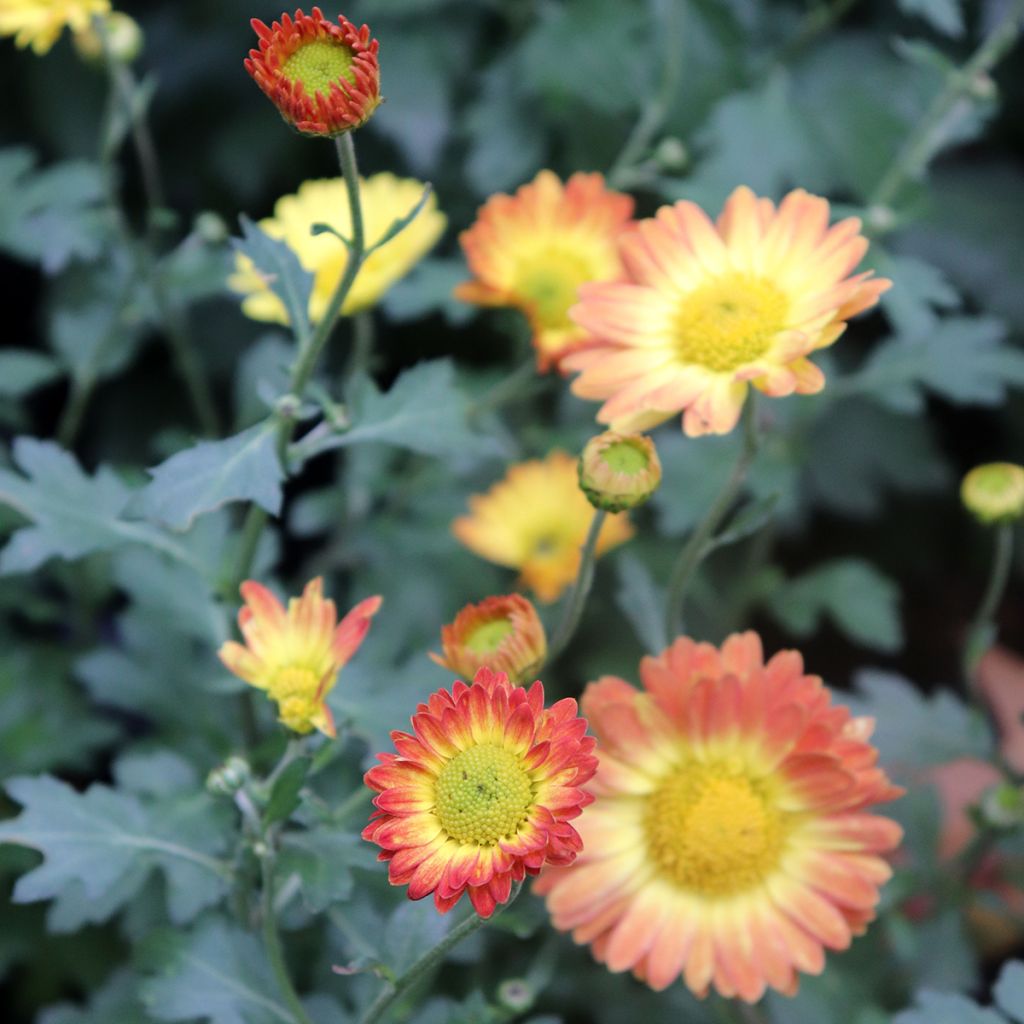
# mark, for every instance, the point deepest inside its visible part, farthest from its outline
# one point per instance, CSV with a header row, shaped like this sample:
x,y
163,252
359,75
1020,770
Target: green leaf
x,y
73,514
428,289
919,292
94,841
641,601
751,518
962,359
284,796
916,729
219,974
23,370
213,473
1009,991
399,224
944,16
50,216
281,270
322,858
943,1008
861,602
117,1002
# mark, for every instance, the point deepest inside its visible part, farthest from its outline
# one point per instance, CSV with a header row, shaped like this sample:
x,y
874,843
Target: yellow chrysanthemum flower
x,y
39,23
536,520
714,307
385,199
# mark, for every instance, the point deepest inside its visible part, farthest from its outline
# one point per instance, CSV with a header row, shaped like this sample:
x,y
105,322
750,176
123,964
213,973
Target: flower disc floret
x,y
536,520
731,839
295,654
533,250
994,492
324,78
709,309
481,793
501,633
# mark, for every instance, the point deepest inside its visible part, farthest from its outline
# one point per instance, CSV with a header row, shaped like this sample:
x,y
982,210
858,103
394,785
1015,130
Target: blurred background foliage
x,y
106,649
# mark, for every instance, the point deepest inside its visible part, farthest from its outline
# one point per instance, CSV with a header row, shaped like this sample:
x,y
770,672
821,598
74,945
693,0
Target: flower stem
x,y
926,137
695,548
982,631
272,942
581,588
431,959
363,340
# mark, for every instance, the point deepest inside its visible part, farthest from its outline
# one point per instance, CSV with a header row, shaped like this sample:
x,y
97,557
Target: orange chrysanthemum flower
x,y
295,655
730,840
504,634
534,249
536,520
323,77
482,793
714,307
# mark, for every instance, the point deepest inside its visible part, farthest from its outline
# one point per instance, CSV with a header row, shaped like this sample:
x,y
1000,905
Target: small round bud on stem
x,y
671,155
994,492
116,34
619,471
516,994
229,778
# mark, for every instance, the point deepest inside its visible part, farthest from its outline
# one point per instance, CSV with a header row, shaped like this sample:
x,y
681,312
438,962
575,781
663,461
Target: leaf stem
x,y
581,588
694,550
924,140
272,942
980,636
431,959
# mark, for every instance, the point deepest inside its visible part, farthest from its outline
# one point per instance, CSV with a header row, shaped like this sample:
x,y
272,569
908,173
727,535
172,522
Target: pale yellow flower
x,y
39,23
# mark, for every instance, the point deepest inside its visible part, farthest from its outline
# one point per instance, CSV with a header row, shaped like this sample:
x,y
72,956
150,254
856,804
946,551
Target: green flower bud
x,y
994,492
619,471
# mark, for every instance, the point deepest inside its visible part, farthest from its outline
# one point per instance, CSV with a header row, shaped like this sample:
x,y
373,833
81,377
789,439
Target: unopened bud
x,y
211,227
1002,807
517,994
983,87
117,34
229,778
619,471
671,154
880,219
994,492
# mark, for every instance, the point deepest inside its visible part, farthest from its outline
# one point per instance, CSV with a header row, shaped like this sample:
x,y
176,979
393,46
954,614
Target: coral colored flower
x,y
323,77
504,634
481,793
534,249
385,199
295,655
714,307
994,492
39,23
536,520
730,839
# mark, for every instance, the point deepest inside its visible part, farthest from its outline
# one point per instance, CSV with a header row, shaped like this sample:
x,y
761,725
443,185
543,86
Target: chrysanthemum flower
x,y
385,199
536,520
323,77
295,655
731,839
534,249
481,793
504,634
39,23
712,308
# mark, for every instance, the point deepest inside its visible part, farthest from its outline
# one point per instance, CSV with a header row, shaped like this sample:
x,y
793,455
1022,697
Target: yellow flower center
x,y
626,457
482,795
487,637
728,322
318,64
550,281
295,689
713,830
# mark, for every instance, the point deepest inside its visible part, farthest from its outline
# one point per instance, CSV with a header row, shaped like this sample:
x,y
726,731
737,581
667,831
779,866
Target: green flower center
x,y
487,637
625,457
319,64
483,795
728,322
551,283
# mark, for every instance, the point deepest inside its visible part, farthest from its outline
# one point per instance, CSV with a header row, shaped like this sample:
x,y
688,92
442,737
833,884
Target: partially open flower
x,y
619,471
501,633
481,793
295,655
39,23
994,492
323,77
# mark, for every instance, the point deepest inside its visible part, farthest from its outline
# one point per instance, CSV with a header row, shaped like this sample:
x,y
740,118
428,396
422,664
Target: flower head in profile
x,y
731,839
534,249
322,76
501,633
481,793
295,654
39,23
536,520
994,492
712,308
385,199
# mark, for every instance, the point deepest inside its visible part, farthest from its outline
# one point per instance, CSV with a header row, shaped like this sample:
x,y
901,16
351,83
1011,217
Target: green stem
x,y
817,21
431,959
581,588
926,137
310,353
695,548
523,380
979,636
363,339
272,942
